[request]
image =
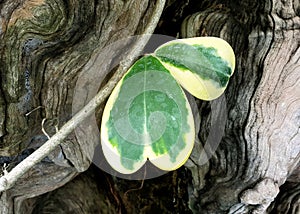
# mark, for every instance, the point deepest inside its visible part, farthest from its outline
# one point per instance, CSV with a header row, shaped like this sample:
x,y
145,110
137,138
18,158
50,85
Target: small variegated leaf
x,y
202,65
147,117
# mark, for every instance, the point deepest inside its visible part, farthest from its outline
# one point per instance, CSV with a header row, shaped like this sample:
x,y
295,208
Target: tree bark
x,y
45,45
260,148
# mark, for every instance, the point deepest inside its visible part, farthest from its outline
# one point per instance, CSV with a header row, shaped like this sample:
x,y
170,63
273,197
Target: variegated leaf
x,y
202,65
147,117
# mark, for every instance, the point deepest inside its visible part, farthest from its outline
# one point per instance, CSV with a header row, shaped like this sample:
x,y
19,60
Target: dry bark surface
x,y
46,44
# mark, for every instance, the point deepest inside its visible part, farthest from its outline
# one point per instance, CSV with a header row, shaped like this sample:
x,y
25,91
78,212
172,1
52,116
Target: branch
x,y
8,180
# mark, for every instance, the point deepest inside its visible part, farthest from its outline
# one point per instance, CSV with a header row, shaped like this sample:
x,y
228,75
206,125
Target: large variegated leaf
x,y
202,65
147,116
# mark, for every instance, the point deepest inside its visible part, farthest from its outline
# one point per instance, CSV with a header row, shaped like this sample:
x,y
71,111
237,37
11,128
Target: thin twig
x,y
33,110
8,180
43,129
140,187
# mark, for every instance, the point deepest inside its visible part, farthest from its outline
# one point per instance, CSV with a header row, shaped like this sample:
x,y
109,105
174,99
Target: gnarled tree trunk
x,y
46,44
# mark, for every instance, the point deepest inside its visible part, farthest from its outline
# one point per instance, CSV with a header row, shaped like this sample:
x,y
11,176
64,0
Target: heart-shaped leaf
x,y
202,65
147,117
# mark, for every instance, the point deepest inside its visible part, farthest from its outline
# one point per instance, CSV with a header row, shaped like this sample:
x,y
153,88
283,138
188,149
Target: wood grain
x,y
262,139
44,45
